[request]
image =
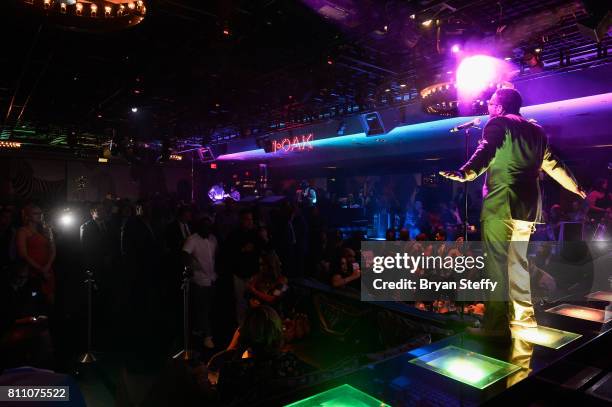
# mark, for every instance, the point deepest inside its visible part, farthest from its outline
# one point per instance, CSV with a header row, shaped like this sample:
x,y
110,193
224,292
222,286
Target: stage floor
x,y
481,369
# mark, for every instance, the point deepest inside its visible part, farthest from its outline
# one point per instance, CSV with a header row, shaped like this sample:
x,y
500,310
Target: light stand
x,y
187,353
88,357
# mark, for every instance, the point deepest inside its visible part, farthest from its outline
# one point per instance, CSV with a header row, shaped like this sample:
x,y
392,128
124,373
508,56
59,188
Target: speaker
x,y
266,144
373,124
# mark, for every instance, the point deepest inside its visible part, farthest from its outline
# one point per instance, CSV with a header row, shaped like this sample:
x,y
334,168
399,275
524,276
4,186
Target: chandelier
x,y
441,99
90,15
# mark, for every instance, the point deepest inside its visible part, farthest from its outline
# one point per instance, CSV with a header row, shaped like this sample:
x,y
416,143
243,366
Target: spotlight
x,y
94,10
79,9
455,49
134,110
131,5
427,23
66,219
476,72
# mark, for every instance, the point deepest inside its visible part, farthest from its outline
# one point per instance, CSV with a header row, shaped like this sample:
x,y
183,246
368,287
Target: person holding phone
x,y
346,274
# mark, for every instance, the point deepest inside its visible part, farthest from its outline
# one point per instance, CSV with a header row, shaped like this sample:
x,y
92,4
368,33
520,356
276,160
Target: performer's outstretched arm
x,y
492,138
560,173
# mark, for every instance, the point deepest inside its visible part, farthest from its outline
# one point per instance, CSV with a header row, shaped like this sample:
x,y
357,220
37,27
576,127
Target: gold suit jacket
x,y
512,151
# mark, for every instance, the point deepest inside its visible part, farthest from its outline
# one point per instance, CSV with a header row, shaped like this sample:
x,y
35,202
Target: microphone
x,y
471,123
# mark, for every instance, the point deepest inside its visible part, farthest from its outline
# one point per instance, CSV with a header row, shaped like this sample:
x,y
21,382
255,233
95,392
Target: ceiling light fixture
x,y
68,12
10,144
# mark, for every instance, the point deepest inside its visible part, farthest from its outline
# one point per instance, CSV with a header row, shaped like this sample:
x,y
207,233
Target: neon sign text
x,y
296,143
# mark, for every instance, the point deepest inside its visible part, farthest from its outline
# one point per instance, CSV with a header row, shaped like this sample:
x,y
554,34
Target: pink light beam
x,y
475,73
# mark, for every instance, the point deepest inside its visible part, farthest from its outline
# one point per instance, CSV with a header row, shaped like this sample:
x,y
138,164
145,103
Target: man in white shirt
x,y
201,248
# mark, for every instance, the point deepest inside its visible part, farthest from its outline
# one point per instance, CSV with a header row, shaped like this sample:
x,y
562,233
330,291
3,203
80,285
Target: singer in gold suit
x,y
511,154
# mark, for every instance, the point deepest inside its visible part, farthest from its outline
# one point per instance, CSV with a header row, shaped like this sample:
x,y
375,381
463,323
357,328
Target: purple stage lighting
x,y
455,49
475,73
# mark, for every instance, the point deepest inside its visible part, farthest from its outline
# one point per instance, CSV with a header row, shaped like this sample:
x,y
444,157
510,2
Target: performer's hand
x,y
454,175
581,193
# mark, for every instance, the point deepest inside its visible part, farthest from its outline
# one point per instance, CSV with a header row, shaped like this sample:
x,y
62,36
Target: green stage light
x,y
580,312
465,366
600,296
341,396
545,336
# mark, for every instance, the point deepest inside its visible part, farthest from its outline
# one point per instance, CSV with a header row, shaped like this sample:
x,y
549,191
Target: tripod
x,y
88,357
186,353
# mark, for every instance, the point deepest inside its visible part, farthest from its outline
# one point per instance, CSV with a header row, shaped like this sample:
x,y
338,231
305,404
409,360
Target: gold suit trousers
x,y
505,243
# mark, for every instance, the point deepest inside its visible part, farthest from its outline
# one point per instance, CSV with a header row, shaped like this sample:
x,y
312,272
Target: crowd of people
x,y
237,260
140,254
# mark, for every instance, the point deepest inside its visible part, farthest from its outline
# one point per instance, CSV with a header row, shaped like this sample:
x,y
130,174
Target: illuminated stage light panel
x,y
601,296
467,367
545,336
341,396
579,312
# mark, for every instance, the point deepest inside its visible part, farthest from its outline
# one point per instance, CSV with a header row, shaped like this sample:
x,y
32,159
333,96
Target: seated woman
x,y
345,274
267,286
258,365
